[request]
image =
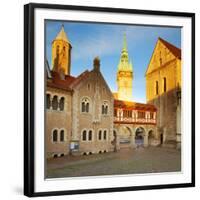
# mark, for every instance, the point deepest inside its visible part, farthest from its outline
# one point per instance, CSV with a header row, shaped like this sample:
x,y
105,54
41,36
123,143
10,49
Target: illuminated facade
x,y
163,90
61,53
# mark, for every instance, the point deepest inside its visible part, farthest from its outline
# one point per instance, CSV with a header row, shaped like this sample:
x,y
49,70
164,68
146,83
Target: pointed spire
x,y
62,35
124,43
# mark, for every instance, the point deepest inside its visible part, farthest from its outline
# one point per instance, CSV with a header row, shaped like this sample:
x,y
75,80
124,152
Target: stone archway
x,y
140,137
125,137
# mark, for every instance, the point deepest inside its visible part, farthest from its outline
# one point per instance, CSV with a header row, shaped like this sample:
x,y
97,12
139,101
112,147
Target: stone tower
x,y
125,75
61,53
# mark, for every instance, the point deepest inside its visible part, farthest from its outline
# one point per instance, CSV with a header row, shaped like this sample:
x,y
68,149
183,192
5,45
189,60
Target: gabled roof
x,y
59,83
176,52
79,78
173,49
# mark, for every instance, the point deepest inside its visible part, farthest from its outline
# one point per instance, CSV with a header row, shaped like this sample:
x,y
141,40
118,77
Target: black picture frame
x,y
29,86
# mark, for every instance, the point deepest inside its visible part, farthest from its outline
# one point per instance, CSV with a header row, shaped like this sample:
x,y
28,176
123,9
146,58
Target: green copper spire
x,y
124,43
124,64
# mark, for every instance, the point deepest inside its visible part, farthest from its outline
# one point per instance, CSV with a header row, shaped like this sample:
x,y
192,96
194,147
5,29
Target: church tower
x,y
125,75
61,53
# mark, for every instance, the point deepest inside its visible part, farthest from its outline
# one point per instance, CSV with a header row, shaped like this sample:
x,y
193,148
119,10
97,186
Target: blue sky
x,y
89,40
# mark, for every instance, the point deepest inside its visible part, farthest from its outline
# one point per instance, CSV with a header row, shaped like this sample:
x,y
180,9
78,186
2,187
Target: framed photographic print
x,y
109,99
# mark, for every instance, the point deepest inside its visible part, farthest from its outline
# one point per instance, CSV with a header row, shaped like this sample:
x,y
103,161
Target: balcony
x,y
126,120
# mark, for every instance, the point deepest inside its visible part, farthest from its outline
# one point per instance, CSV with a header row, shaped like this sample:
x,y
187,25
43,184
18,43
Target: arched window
x,y
99,135
164,84
156,89
104,108
48,101
62,136
55,136
85,106
55,103
84,135
61,103
105,135
90,135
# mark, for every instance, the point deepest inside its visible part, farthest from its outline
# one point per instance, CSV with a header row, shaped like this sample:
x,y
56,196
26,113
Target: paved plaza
x,y
126,161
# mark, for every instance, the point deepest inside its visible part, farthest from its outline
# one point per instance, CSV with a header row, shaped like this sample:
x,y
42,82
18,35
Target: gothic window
x,y
105,135
90,135
164,84
55,136
85,105
55,103
99,135
104,108
48,101
84,135
156,89
62,135
61,103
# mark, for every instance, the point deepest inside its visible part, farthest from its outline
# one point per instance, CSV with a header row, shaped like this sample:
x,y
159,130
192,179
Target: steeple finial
x,y
124,42
62,35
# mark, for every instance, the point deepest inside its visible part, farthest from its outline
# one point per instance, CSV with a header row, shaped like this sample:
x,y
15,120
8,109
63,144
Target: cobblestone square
x,y
125,161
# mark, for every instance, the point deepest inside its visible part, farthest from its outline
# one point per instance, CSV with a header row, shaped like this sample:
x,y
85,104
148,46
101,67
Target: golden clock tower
x,y
125,75
61,53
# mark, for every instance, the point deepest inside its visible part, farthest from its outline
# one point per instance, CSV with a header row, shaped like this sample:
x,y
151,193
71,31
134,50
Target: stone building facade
x,y
84,117
79,116
163,89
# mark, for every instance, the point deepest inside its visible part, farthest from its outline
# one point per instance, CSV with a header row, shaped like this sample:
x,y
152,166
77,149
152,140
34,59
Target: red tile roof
x,y
133,105
68,82
79,78
60,83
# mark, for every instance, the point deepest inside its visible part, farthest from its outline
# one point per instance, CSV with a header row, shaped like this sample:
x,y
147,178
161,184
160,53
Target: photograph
x,y
112,99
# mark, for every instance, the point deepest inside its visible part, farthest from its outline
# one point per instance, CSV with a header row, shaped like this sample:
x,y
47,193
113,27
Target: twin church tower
x,y
61,61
